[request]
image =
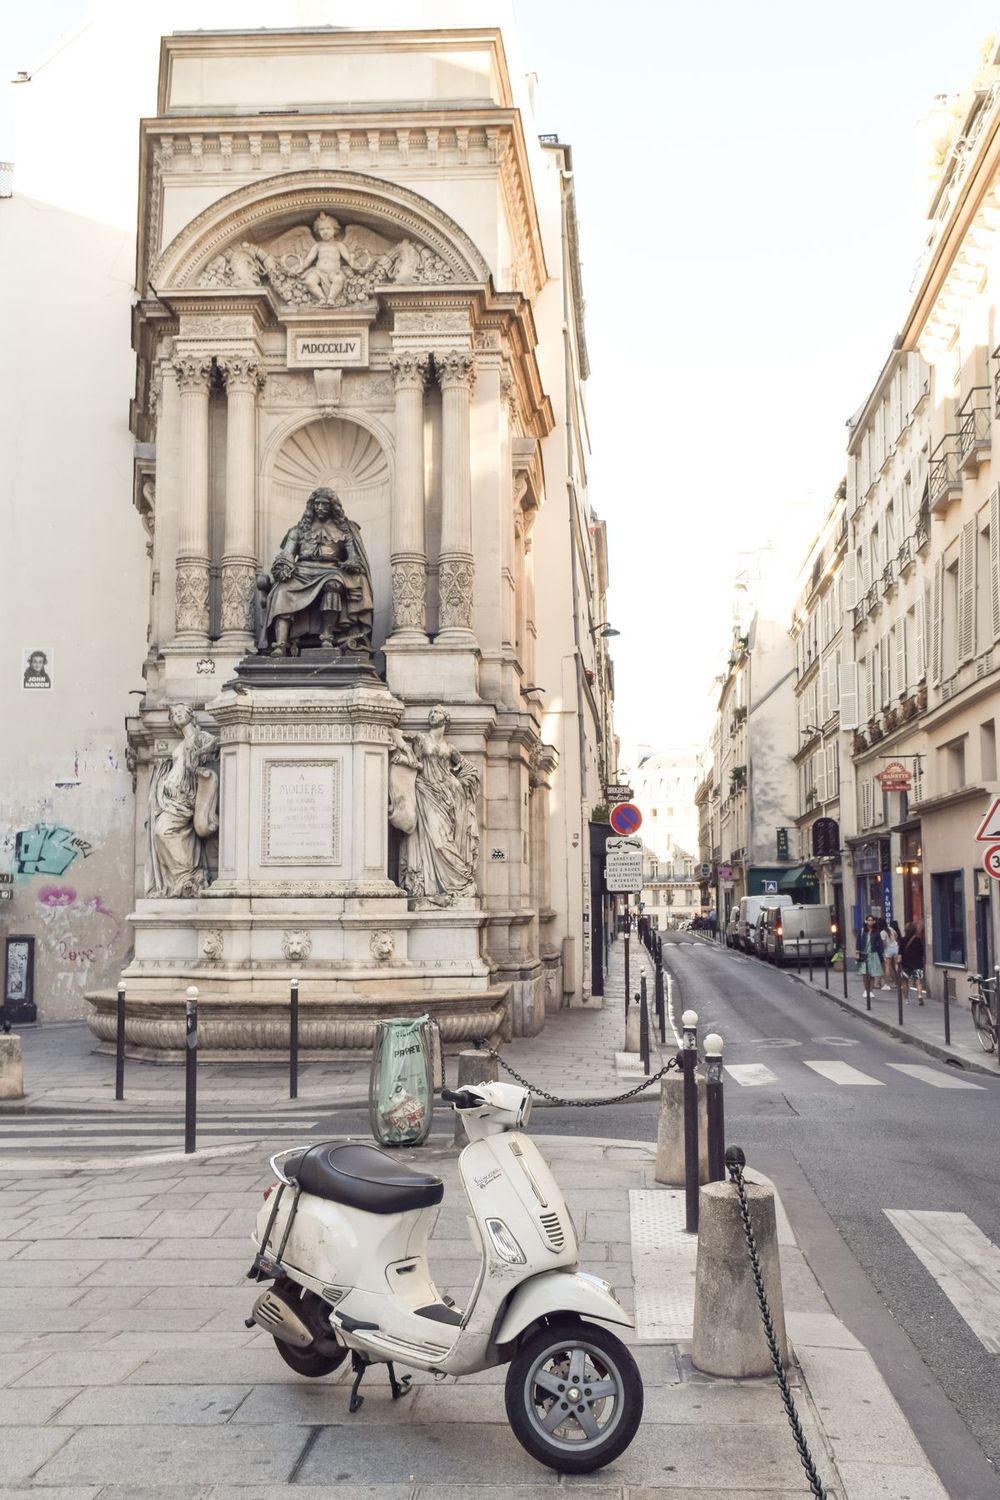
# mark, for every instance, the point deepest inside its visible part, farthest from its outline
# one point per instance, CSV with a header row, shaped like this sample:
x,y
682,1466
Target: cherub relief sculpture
x,y
433,792
320,587
327,264
183,810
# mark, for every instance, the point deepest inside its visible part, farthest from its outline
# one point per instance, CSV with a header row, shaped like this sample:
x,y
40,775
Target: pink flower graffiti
x,y
54,896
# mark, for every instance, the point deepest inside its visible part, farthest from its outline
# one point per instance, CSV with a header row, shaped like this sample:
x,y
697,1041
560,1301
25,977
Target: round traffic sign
x,y
625,818
991,861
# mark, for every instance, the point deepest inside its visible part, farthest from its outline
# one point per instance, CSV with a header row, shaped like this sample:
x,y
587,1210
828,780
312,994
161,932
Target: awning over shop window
x,y
800,875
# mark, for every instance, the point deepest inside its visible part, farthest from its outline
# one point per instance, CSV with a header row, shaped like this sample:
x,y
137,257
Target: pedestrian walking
x,y
891,942
911,960
870,954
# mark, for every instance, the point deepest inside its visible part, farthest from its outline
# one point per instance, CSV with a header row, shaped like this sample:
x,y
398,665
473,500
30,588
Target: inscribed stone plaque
x,y
300,822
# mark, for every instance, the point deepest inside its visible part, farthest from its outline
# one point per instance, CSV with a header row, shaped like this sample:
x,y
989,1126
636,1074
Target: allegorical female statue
x,y
320,584
433,802
183,810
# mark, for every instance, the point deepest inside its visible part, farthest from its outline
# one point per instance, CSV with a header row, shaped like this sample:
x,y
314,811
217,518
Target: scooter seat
x,y
361,1176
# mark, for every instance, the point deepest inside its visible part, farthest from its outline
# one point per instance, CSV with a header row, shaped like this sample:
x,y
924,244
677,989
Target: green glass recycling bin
x,y
401,1087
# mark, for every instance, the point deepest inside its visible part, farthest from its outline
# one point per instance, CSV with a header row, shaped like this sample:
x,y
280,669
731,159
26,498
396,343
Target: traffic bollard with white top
x,y
190,1066
689,1061
715,1108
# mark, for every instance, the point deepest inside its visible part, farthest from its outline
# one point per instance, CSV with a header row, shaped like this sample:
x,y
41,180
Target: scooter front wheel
x,y
306,1362
574,1396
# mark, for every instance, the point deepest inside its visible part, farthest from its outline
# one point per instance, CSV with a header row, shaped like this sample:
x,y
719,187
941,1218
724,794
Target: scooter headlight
x,y
504,1243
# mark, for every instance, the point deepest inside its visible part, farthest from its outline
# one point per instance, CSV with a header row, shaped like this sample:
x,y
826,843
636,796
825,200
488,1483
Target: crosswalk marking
x,y
751,1075
841,1072
964,1263
934,1076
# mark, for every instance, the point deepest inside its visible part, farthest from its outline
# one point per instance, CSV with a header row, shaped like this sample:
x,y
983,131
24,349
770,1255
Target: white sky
x,y
750,202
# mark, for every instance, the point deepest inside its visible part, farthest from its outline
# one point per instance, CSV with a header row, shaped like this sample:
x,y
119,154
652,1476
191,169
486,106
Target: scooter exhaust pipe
x,y
272,1313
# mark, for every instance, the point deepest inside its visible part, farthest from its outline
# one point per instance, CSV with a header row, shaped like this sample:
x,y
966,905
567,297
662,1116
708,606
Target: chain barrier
x,y
541,1093
735,1162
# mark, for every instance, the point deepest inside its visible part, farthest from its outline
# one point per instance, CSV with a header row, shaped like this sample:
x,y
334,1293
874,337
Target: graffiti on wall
x,y
48,849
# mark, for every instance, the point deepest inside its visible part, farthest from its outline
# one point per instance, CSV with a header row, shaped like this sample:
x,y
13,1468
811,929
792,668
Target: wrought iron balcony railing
x,y
945,483
975,427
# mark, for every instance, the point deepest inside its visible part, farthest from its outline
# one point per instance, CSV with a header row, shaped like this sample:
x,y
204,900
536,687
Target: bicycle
x,y
982,1012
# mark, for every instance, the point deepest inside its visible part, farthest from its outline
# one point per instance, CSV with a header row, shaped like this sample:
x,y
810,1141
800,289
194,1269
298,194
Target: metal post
x,y
689,1061
810,960
644,1026
947,1019
120,1043
715,1108
843,966
826,967
661,999
190,1068
293,1041
798,954
627,925
899,997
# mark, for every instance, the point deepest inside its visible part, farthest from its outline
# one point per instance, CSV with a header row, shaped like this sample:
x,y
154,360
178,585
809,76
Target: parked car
x,y
733,928
766,918
791,933
750,907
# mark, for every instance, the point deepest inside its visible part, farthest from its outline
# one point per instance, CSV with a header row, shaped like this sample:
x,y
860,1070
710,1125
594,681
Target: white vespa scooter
x,y
345,1240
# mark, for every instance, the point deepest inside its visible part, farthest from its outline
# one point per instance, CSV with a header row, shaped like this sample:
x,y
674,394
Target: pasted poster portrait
x,y
18,976
36,667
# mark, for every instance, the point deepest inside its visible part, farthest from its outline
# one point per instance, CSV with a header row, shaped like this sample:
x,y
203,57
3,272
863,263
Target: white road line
x,y
964,1263
670,1005
937,1077
751,1075
841,1072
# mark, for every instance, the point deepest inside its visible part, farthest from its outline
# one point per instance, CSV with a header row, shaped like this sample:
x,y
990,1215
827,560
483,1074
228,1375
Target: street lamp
x,y
604,629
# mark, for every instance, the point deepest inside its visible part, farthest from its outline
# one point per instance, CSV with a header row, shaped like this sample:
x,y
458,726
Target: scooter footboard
x,y
560,1292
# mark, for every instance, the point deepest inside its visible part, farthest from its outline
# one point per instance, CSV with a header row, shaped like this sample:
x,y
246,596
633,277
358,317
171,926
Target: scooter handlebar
x,y
461,1098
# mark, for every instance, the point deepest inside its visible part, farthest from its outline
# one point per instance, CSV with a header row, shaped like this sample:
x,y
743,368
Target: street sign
x,y
991,861
625,818
706,871
619,793
895,777
623,865
770,887
989,829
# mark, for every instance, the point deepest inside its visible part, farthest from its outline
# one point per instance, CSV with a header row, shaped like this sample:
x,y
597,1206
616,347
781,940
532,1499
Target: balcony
x,y
872,599
945,473
889,576
996,382
858,612
975,425
904,557
922,530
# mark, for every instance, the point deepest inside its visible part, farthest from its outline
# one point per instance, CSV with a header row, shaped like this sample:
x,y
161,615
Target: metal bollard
x,y
826,967
190,1067
689,1061
644,1026
899,997
715,1108
659,990
293,1041
120,1043
947,1019
810,960
843,968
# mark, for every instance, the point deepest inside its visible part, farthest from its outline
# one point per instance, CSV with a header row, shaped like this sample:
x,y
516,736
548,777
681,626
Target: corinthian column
x,y
191,598
409,553
456,375
244,376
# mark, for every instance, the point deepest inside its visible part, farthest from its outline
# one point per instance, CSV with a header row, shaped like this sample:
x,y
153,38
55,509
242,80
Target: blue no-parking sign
x,y
625,818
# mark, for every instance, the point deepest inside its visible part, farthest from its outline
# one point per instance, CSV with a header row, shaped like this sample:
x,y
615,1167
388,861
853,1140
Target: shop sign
x,y
782,838
825,837
620,793
895,777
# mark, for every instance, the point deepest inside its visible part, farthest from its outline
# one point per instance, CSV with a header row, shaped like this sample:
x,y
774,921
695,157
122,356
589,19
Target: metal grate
x,y
553,1228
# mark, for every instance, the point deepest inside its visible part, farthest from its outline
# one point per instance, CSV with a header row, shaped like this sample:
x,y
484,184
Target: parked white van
x,y
750,910
792,932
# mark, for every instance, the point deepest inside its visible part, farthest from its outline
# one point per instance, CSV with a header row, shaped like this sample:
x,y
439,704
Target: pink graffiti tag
x,y
55,896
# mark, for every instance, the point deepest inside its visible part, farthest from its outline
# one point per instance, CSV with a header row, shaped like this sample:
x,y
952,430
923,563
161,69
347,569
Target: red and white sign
x,y
991,861
895,777
625,818
988,831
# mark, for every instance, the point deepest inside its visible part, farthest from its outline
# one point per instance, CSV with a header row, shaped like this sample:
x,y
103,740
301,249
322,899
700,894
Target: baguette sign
x,y
895,777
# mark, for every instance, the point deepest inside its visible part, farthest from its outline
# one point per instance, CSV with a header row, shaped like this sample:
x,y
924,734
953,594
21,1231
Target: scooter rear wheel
x,y
574,1396
306,1362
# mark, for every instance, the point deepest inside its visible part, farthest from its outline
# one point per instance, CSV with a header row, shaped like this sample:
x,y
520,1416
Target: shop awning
x,y
799,875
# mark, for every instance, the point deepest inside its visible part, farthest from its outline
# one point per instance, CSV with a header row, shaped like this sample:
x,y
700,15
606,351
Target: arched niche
x,y
346,456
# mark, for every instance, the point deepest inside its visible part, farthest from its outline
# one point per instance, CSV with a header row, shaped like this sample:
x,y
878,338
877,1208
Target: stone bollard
x,y
728,1332
11,1069
473,1067
670,1130
632,1028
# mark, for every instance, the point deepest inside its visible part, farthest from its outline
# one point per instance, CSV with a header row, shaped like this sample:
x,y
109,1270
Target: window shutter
x,y
849,695
871,684
919,663
937,584
995,560
849,583
832,777
824,692
901,655
819,771
967,592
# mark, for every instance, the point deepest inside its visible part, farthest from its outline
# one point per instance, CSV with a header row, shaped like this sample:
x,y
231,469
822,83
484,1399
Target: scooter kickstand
x,y
398,1387
359,1365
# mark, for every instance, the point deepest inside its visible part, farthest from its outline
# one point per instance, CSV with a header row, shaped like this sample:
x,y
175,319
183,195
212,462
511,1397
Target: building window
x,y
948,906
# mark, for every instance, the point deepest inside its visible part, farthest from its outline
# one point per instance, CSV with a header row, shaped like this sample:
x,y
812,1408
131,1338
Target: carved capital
x,y
239,584
193,374
409,371
455,577
409,591
191,606
242,373
456,369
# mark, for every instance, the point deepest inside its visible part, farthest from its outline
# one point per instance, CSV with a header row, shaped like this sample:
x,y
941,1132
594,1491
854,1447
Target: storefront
x,y
910,871
872,882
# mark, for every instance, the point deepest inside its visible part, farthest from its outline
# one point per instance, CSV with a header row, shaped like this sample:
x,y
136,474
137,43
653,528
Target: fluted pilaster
x,y
409,550
456,572
244,377
192,567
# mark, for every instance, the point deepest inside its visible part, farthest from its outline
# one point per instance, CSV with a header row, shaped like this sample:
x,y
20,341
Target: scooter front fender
x,y
554,1292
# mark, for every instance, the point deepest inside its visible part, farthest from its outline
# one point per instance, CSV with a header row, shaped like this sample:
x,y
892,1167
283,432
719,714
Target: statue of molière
x,y
320,587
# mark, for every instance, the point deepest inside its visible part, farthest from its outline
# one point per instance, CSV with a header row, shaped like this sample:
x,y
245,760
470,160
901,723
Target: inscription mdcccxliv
x,y
300,815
